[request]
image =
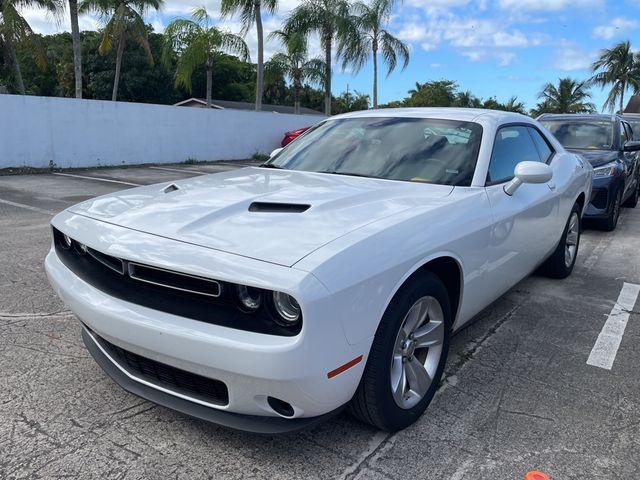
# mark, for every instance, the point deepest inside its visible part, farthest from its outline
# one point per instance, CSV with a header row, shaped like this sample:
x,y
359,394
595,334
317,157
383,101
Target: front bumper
x,y
602,195
246,423
253,366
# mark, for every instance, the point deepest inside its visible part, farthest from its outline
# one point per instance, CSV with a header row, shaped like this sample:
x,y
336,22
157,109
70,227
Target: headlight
x,y
287,309
82,248
249,298
66,241
605,170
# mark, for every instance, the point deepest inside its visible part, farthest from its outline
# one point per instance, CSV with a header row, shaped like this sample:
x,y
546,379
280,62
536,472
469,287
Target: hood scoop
x,y
272,207
170,188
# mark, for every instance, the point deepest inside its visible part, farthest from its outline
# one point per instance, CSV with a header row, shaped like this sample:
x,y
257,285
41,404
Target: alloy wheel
x,y
417,352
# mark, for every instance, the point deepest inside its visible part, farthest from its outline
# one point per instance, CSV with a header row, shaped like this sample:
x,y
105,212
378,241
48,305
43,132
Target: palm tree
x,y
373,38
514,105
15,29
569,96
467,99
124,20
250,12
332,20
620,68
77,50
197,42
295,64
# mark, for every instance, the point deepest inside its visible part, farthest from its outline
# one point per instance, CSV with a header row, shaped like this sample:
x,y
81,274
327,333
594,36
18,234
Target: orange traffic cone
x,y
535,475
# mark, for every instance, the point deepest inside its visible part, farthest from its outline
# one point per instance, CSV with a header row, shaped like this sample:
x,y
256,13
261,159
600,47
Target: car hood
x,y
237,211
597,157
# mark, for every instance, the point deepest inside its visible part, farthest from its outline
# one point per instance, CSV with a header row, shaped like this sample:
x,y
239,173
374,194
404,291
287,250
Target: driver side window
x,y
512,145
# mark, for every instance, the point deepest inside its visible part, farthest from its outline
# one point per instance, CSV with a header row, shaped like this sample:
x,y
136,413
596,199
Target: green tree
x,y
14,29
373,38
125,19
332,20
511,105
436,93
139,82
467,99
620,68
77,48
568,96
196,42
295,64
250,13
350,102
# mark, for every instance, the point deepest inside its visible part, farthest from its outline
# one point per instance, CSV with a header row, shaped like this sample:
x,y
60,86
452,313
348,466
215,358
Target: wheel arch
x,y
581,200
448,268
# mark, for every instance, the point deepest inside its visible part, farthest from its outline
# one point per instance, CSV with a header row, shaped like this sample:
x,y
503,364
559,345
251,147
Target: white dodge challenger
x,y
268,298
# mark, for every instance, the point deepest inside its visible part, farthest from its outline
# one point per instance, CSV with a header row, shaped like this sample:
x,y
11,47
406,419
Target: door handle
x,y
551,185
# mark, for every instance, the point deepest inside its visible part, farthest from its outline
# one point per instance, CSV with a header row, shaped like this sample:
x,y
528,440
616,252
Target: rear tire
x,y
407,357
632,201
610,223
561,262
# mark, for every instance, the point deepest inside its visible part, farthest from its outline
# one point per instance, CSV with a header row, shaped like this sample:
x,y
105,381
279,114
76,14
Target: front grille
x,y
173,379
197,298
599,198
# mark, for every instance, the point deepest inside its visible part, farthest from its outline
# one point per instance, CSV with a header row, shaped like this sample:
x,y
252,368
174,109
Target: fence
x,y
43,131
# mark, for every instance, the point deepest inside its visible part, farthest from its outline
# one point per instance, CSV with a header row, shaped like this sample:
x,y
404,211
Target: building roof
x,y
228,104
634,105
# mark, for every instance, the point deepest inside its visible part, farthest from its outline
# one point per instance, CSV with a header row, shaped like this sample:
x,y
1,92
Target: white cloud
x,y
616,26
547,5
467,33
570,57
505,58
475,55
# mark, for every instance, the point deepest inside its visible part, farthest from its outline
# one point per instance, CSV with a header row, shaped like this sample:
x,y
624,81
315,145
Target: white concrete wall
x,y
35,131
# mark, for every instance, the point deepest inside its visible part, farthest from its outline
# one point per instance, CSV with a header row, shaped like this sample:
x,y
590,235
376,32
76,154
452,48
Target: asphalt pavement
x,y
518,394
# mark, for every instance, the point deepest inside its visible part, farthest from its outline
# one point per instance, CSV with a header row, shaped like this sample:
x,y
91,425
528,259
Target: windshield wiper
x,y
350,174
271,165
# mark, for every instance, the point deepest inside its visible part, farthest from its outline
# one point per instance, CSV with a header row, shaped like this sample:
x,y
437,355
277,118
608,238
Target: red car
x,y
292,135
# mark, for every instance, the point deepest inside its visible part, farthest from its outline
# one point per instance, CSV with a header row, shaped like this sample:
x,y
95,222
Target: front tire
x,y
611,222
407,357
632,201
561,262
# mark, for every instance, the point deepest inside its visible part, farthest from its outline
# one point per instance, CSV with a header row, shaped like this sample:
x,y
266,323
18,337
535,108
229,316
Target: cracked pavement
x,y
518,394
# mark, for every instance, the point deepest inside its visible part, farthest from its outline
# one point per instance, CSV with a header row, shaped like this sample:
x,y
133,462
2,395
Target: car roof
x,y
445,113
579,116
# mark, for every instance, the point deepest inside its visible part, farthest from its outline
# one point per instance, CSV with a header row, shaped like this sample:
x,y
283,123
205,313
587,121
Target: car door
x,y
526,223
630,159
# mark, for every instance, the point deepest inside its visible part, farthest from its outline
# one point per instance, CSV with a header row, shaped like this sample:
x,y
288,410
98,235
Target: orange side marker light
x,y
344,367
535,475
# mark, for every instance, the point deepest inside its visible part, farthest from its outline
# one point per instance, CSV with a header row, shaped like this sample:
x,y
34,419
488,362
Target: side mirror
x,y
275,152
631,146
528,172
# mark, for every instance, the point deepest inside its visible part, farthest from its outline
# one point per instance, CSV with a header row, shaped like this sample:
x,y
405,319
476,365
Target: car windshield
x,y
582,134
410,149
635,126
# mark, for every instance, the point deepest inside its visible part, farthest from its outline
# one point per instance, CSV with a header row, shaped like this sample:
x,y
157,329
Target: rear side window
x,y
512,145
541,144
623,135
628,130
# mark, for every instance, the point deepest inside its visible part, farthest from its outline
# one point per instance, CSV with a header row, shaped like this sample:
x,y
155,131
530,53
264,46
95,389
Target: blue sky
x,y
492,47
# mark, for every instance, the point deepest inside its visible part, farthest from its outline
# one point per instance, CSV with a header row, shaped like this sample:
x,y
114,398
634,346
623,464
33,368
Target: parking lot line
x,y
181,170
28,207
97,178
606,347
